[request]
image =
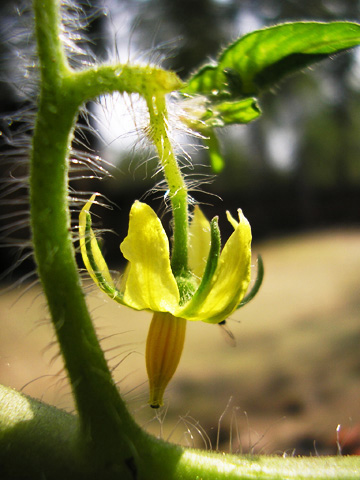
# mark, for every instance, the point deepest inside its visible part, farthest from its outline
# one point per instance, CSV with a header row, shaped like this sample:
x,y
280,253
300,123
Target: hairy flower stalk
x,y
177,187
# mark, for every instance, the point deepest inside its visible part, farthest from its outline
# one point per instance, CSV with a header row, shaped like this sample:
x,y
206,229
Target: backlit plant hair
x,y
102,440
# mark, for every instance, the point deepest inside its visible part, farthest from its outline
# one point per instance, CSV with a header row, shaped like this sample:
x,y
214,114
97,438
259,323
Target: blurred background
x,y
294,375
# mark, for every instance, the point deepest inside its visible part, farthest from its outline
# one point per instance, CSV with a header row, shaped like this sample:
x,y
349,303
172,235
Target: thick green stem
x,y
53,61
39,441
177,188
88,372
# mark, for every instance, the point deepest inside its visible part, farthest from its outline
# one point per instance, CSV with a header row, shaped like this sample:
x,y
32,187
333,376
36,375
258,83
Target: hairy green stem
x,y
88,372
177,187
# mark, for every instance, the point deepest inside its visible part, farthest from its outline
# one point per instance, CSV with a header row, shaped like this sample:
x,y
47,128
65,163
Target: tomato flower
x,y
210,289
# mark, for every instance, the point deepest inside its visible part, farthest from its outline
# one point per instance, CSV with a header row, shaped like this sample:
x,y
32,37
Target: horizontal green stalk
x,y
46,439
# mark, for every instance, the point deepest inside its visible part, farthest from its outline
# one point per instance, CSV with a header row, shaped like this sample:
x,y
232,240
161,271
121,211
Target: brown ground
x,y
293,377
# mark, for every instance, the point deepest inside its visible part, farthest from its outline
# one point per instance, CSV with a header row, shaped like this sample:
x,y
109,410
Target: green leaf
x,y
218,114
241,111
203,81
262,58
225,113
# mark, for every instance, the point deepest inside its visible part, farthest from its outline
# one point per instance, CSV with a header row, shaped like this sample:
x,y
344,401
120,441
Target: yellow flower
x,y
210,290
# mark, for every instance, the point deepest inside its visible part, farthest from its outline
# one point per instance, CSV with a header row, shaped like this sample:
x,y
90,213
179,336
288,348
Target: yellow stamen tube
x,y
164,346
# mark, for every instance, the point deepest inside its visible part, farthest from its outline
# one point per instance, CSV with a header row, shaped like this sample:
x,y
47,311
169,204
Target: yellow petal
x,y
98,259
231,278
150,282
164,347
199,242
232,220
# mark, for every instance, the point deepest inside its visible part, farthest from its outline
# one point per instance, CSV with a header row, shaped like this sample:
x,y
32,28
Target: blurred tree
x,y
199,29
298,165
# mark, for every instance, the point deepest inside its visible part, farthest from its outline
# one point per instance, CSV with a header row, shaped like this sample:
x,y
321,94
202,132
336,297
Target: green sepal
x,y
211,265
257,283
102,282
186,285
